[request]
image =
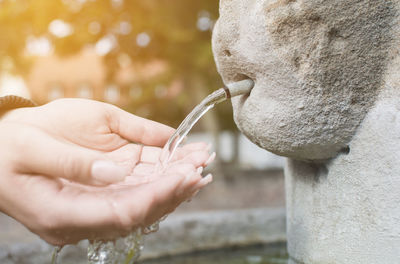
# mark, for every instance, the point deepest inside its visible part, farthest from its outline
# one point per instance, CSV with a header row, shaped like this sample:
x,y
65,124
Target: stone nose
x,y
229,59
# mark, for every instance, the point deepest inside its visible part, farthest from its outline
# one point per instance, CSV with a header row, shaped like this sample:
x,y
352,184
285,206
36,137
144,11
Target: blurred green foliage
x,y
178,35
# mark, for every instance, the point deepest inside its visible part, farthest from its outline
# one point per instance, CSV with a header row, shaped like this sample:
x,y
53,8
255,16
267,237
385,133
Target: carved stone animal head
x,y
318,66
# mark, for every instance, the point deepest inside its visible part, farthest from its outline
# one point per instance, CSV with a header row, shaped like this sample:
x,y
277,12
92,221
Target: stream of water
x,y
127,250
187,124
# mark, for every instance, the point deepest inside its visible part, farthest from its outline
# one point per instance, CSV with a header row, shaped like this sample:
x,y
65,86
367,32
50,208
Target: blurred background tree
x,y
173,33
177,32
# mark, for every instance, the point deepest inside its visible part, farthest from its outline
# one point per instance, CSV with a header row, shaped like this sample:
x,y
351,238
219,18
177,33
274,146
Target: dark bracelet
x,y
12,101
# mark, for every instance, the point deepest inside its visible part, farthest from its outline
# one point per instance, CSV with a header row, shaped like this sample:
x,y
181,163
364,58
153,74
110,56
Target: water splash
x,y
54,256
127,250
123,250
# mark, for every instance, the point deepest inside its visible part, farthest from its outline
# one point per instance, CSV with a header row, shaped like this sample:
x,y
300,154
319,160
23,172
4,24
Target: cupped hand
x,y
76,169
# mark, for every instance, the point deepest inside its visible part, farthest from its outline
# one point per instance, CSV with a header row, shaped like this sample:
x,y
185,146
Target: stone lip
x,y
178,234
219,229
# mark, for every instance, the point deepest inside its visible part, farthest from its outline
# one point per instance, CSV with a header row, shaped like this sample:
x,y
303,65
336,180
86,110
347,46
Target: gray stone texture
x,y
348,210
327,96
317,64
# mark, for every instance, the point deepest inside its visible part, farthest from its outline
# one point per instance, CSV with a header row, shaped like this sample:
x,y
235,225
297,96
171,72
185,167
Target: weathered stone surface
x,y
327,96
348,210
318,65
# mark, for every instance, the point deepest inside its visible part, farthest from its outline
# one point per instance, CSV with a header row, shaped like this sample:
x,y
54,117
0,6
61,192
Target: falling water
x,y
127,250
187,124
123,250
176,139
54,257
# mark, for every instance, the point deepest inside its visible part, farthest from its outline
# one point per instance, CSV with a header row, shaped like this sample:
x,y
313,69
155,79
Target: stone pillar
x,y
327,96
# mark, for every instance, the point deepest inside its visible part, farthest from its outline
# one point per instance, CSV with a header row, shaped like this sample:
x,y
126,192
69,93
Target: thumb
x,y
107,172
47,156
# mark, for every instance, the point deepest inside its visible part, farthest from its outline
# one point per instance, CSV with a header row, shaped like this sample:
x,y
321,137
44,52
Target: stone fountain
x,y
327,96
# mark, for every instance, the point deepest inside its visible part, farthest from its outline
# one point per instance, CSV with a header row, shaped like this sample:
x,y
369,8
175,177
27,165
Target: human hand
x,y
69,171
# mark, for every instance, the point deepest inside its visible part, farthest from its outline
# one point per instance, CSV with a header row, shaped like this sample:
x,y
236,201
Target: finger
x,y
162,196
143,170
181,168
45,155
152,154
196,146
145,173
210,159
127,156
142,173
189,148
137,129
197,158
205,181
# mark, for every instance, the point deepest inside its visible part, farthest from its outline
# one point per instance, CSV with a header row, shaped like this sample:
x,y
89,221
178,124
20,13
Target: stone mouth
x,y
241,77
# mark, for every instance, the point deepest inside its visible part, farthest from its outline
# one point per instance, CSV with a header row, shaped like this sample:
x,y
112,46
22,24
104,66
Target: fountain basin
x,y
179,234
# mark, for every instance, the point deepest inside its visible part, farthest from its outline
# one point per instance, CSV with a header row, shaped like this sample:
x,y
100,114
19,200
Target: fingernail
x,y
199,170
210,159
206,180
105,171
